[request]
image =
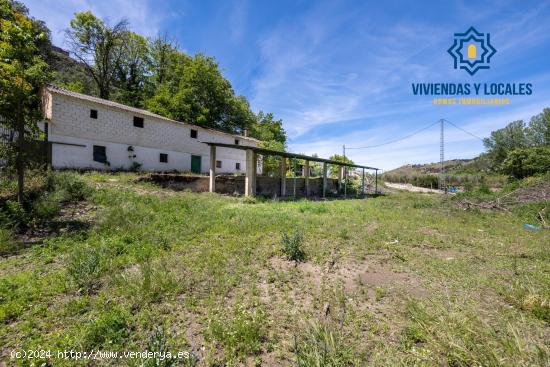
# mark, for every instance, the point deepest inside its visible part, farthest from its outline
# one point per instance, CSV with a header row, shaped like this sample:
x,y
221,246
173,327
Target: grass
x,y
406,279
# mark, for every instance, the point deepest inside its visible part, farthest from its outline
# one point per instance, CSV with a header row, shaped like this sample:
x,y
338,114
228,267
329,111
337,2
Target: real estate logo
x,y
472,50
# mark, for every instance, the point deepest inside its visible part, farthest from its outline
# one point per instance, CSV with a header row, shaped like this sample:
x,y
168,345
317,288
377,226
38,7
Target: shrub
x,y
71,186
84,267
48,206
292,246
7,246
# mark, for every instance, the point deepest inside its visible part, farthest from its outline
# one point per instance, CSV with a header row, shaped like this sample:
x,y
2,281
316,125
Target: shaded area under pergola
x,y
252,162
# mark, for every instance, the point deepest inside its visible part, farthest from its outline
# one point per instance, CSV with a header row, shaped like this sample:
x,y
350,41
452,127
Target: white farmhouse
x,y
86,132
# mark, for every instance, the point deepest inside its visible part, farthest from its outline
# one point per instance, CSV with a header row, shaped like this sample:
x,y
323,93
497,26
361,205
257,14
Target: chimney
x,y
245,133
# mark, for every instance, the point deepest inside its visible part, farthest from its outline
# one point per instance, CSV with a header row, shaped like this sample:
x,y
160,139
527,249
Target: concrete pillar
x,y
212,182
340,176
325,179
363,183
306,177
250,178
283,176
376,182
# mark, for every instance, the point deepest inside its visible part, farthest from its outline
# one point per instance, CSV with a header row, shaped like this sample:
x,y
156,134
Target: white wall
x,y
71,124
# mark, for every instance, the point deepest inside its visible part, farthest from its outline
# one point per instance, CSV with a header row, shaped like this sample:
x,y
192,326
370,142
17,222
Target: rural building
x,y
86,132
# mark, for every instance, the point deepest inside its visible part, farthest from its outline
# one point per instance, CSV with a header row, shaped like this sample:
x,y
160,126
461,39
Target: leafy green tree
x,y
334,168
267,128
164,56
23,71
538,131
198,93
523,162
133,70
99,47
504,140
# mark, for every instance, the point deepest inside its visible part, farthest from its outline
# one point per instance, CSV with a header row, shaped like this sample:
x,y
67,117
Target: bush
x,y
70,185
292,246
48,206
523,162
7,246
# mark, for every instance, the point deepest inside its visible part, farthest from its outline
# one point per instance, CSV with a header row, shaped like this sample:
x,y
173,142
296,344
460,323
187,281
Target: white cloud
x,y
144,17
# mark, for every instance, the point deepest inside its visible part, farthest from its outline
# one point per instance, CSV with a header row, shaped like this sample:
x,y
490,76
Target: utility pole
x,y
442,157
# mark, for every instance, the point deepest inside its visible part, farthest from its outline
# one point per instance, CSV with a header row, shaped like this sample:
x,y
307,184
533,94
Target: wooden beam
x,y
212,181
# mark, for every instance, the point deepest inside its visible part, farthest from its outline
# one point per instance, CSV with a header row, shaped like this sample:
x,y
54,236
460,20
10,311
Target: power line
x,y
396,140
467,132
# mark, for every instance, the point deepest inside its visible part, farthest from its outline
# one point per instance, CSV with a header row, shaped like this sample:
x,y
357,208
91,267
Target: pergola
x,y
252,160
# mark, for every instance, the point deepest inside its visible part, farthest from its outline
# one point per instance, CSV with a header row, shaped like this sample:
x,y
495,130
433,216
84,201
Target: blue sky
x,y
341,72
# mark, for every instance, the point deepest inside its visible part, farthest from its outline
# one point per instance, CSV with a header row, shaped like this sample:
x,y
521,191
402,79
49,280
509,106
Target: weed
x,y
241,333
108,328
292,246
84,267
322,345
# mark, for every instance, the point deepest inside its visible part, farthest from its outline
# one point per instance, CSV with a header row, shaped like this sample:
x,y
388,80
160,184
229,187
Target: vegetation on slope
x,y
402,279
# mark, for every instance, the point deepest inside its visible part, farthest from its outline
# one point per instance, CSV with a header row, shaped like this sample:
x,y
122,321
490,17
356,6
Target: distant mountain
x,y
454,166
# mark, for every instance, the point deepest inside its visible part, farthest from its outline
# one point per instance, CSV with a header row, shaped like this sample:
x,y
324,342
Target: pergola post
x,y
212,181
340,176
363,183
376,181
324,179
283,176
250,178
306,177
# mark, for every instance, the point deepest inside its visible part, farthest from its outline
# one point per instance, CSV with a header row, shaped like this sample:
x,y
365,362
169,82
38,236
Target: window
x,y
138,121
218,164
238,166
100,154
237,141
93,114
194,134
163,158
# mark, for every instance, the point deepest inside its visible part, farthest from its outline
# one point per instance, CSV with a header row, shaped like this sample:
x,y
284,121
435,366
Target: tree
x,y
98,46
197,93
334,168
163,54
133,70
266,128
538,131
504,140
23,71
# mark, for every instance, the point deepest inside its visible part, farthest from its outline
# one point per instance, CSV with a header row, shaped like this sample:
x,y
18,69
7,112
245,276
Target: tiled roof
x,y
57,90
